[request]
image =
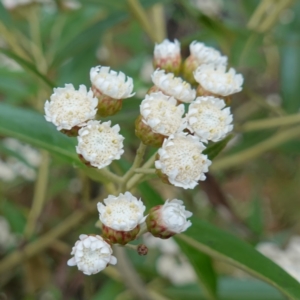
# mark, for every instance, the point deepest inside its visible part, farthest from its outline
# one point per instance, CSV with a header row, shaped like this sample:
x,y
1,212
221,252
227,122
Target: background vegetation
x,y
251,195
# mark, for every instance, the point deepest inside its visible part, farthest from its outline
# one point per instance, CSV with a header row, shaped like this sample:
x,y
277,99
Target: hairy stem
x,y
137,177
144,171
136,163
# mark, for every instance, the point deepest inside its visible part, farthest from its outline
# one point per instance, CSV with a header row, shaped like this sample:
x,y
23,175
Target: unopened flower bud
x,y
166,220
201,54
160,117
167,56
121,217
215,81
110,88
172,86
92,254
69,110
142,249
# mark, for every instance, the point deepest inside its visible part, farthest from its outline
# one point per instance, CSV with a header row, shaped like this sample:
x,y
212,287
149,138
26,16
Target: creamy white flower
x,y
181,159
69,108
209,119
123,213
173,86
173,216
99,143
216,80
161,114
91,254
206,55
110,83
167,49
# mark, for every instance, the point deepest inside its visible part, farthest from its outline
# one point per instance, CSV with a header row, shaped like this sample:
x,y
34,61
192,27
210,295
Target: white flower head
x,y
68,108
111,83
173,86
206,55
167,49
216,80
99,143
161,114
181,159
174,216
209,119
91,254
123,213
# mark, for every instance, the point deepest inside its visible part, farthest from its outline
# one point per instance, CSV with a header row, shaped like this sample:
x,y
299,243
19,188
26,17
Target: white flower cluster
x,y
181,161
180,137
73,112
121,217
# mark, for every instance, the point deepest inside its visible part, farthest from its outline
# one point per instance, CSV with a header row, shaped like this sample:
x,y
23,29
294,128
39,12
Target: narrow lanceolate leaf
x,y
32,128
27,66
214,149
203,267
223,246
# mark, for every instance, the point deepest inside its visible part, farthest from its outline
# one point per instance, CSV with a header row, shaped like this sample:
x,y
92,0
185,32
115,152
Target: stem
x,y
158,21
139,13
137,162
39,196
131,247
270,123
130,277
144,171
250,153
270,20
137,177
103,175
258,14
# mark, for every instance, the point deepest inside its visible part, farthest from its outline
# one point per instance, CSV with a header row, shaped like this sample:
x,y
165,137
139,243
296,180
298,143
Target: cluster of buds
x,y
183,136
73,112
122,218
164,123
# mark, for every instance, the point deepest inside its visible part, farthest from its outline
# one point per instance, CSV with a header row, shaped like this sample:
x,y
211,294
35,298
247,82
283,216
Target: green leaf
x,y
226,247
255,219
14,216
150,196
32,128
203,267
229,289
109,290
213,150
27,66
290,72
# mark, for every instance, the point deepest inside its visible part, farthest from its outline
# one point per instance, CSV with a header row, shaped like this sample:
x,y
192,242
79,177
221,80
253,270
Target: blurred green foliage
x,y
45,45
